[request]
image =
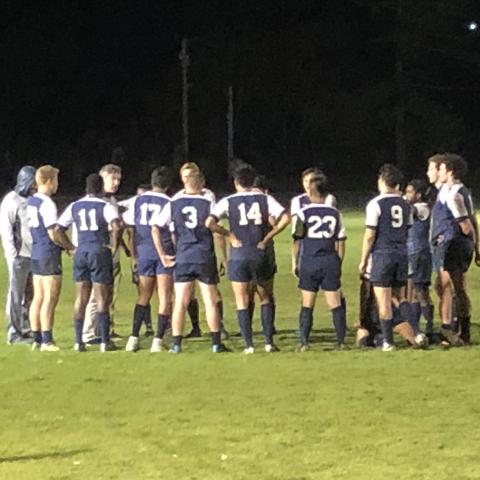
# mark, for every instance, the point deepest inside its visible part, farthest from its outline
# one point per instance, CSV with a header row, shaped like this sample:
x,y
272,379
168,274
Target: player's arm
x,y
48,210
220,210
116,232
161,221
460,212
221,246
275,210
59,233
298,234
371,222
341,239
8,212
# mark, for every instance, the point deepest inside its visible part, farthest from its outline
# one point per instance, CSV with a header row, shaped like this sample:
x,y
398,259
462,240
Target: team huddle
x,y
181,241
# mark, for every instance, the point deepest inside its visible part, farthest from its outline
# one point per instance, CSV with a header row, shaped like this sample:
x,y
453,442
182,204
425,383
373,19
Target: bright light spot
x,y
472,26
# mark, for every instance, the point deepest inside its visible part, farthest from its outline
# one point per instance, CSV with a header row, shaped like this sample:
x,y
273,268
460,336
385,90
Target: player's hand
x,y
234,241
261,246
295,270
168,260
222,268
134,265
362,268
71,253
128,253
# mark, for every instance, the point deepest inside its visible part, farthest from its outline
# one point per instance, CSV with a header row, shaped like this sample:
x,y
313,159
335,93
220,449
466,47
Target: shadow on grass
x,y
42,456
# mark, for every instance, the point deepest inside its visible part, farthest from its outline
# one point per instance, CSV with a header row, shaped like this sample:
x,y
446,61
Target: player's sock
x,y
193,313
455,326
37,336
245,323
139,313
163,322
343,303
266,314
251,308
177,340
47,336
427,312
274,313
306,322
216,338
387,330
78,330
220,309
338,315
103,320
410,312
465,323
148,317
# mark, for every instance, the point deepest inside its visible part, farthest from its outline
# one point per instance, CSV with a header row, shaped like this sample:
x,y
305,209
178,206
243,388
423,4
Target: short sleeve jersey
x,y
319,226
90,218
419,233
146,209
186,215
300,201
391,217
248,214
42,215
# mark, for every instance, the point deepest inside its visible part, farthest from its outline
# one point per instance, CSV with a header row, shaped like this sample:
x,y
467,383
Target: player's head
x,y
260,183
194,182
26,181
416,191
46,178
94,184
142,188
112,176
318,185
453,167
390,178
161,178
308,174
244,178
433,168
188,168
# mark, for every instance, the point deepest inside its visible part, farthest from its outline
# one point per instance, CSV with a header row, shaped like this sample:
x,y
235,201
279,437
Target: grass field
x,y
318,415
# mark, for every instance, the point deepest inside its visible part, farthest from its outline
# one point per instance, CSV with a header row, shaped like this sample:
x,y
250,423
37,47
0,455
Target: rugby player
x,y
153,270
91,218
194,258
388,218
249,212
46,258
318,263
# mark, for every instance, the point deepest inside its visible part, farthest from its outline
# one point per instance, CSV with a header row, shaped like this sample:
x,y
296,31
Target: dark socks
x,y
47,336
245,323
338,316
267,322
78,330
306,322
220,309
216,338
193,313
148,317
163,322
427,312
139,313
177,340
464,328
37,336
407,315
251,308
343,304
103,320
387,330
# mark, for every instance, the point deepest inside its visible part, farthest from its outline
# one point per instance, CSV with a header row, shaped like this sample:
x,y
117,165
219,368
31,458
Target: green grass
x,y
319,415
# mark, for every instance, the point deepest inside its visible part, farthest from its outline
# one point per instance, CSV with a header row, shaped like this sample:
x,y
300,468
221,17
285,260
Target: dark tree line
x,y
346,84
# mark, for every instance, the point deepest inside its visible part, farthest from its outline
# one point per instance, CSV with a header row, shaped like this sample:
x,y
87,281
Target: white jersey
x,y
208,194
16,236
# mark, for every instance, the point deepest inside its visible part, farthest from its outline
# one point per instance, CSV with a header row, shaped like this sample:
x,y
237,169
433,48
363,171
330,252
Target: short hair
x,y
94,184
420,187
261,182
437,159
245,177
144,186
318,184
110,168
161,178
189,166
196,179
45,174
310,170
456,164
391,175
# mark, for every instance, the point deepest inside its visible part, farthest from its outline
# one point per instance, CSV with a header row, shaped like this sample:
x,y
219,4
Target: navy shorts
x,y
420,267
151,267
389,269
94,267
50,265
459,255
267,267
320,273
203,272
438,256
245,270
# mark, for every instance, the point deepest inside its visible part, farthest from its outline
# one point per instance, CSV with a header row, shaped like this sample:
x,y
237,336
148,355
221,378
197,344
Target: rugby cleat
x,y
249,351
107,347
49,347
387,347
270,348
79,347
194,333
132,344
303,347
340,347
175,349
36,346
220,348
157,345
421,340
452,338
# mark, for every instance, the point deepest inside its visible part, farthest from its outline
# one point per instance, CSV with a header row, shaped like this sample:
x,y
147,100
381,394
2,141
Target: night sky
x,y
315,82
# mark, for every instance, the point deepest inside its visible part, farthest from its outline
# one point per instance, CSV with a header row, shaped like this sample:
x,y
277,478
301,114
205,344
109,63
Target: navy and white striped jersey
x,y
186,215
248,214
391,217
42,215
319,226
90,218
